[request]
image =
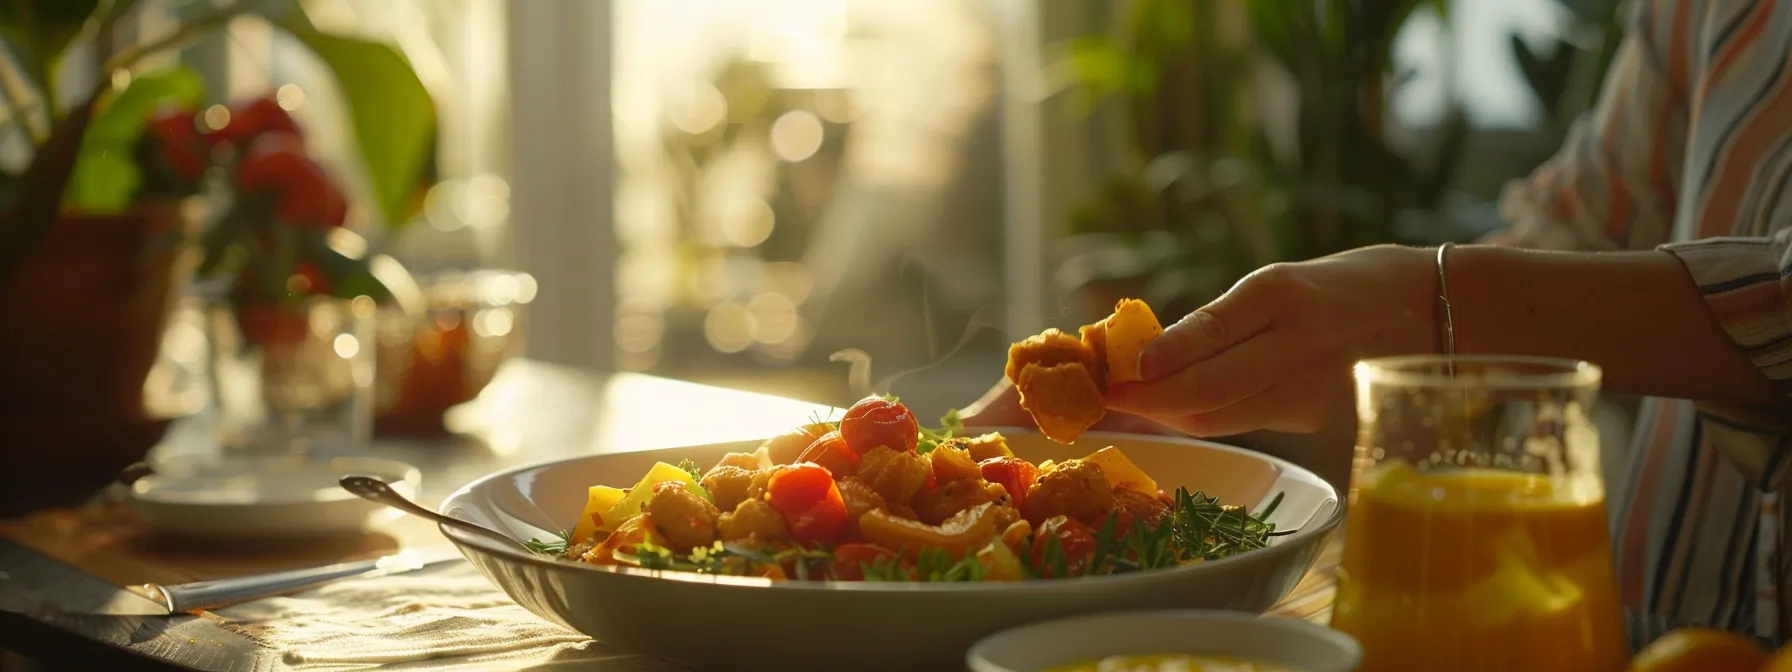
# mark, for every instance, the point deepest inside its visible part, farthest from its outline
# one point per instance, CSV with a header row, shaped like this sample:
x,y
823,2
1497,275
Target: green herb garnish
x,y
950,427
690,467
554,546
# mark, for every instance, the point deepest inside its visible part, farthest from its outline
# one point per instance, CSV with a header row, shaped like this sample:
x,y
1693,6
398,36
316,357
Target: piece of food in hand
x,y
806,496
1074,488
876,421
1132,327
1062,398
1062,378
685,518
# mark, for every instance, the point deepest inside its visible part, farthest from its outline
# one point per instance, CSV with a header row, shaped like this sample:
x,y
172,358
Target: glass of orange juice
x,y
1476,537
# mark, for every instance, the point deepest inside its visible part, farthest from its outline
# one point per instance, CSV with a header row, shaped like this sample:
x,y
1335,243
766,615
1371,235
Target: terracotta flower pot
x,y
82,327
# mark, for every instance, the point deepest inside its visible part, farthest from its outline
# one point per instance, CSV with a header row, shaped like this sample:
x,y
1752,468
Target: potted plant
x,y
93,229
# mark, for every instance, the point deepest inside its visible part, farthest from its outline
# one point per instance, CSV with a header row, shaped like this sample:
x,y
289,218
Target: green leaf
x,y
391,112
105,181
106,175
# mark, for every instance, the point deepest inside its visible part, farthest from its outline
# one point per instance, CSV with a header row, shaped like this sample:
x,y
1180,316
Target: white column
x,y
562,175
1025,229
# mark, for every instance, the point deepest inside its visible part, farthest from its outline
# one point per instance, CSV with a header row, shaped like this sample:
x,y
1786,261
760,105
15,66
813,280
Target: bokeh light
x,y
216,117
797,135
290,97
750,227
729,327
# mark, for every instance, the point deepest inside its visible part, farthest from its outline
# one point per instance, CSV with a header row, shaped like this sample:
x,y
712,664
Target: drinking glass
x,y
293,379
1476,538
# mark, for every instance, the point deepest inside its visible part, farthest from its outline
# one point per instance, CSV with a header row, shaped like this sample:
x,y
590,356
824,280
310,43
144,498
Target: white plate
x,y
1296,645
742,623
278,497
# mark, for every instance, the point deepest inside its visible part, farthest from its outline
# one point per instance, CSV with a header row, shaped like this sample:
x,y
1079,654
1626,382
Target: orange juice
x,y
1478,569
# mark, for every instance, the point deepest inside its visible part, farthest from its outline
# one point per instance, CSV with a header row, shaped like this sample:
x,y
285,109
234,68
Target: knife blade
x,y
88,595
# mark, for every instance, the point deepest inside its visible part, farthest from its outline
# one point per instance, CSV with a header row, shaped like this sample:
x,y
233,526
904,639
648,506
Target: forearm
x,y
1638,315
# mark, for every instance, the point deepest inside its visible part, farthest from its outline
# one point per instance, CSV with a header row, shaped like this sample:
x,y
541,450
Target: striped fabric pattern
x,y
1690,151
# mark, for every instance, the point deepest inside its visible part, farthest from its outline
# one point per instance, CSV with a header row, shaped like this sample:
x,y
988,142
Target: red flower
x,y
276,165
177,142
253,119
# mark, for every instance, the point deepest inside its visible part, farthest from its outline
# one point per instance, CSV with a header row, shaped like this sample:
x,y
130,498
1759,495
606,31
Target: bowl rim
x,y
1297,539
977,654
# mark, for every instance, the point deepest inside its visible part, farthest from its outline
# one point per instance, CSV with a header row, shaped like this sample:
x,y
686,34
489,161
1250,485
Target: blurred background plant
x,y
1255,132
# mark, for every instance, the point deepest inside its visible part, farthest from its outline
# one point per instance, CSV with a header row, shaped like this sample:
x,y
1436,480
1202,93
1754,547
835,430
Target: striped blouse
x,y
1690,151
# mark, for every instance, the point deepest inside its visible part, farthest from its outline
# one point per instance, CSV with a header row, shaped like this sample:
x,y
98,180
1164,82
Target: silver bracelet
x,y
1443,298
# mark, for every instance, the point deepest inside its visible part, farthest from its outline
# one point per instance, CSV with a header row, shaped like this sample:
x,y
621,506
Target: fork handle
x,y
224,592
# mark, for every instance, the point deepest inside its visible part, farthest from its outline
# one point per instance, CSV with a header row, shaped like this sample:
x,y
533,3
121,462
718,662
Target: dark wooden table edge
x,y
57,649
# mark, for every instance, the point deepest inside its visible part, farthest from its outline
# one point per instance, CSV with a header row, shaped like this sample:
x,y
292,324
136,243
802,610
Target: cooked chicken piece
x,y
860,498
747,461
783,448
987,446
1074,488
1049,348
625,539
1063,399
685,517
936,505
761,479
728,485
897,475
753,519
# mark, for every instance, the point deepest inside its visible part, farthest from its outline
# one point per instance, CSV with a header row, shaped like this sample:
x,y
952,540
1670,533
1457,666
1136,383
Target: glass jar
x,y
1477,536
293,377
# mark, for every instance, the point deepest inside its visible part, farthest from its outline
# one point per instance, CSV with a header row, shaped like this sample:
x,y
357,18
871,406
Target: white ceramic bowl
x,y
199,496
739,623
1296,645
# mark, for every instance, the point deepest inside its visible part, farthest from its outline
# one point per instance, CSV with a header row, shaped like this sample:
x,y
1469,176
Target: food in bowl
x,y
1061,378
875,497
1167,662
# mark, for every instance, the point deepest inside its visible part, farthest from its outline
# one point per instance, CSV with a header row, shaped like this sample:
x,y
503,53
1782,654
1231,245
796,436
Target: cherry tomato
x,y
1015,475
1075,539
876,421
784,448
252,119
850,560
830,452
176,135
806,496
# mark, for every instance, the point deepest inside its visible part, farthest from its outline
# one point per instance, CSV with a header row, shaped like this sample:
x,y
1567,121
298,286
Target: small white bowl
x,y
263,497
1296,645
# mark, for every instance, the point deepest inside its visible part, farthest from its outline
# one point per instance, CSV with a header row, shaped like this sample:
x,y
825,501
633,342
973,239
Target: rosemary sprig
x,y
555,546
1205,529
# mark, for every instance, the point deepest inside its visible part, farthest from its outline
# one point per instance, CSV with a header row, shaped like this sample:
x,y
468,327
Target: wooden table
x,y
532,412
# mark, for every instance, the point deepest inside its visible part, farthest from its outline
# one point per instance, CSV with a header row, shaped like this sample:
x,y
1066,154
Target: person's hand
x,y
1000,407
1275,352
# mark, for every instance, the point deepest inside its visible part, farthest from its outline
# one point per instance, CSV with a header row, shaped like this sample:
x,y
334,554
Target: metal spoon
x,y
378,491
